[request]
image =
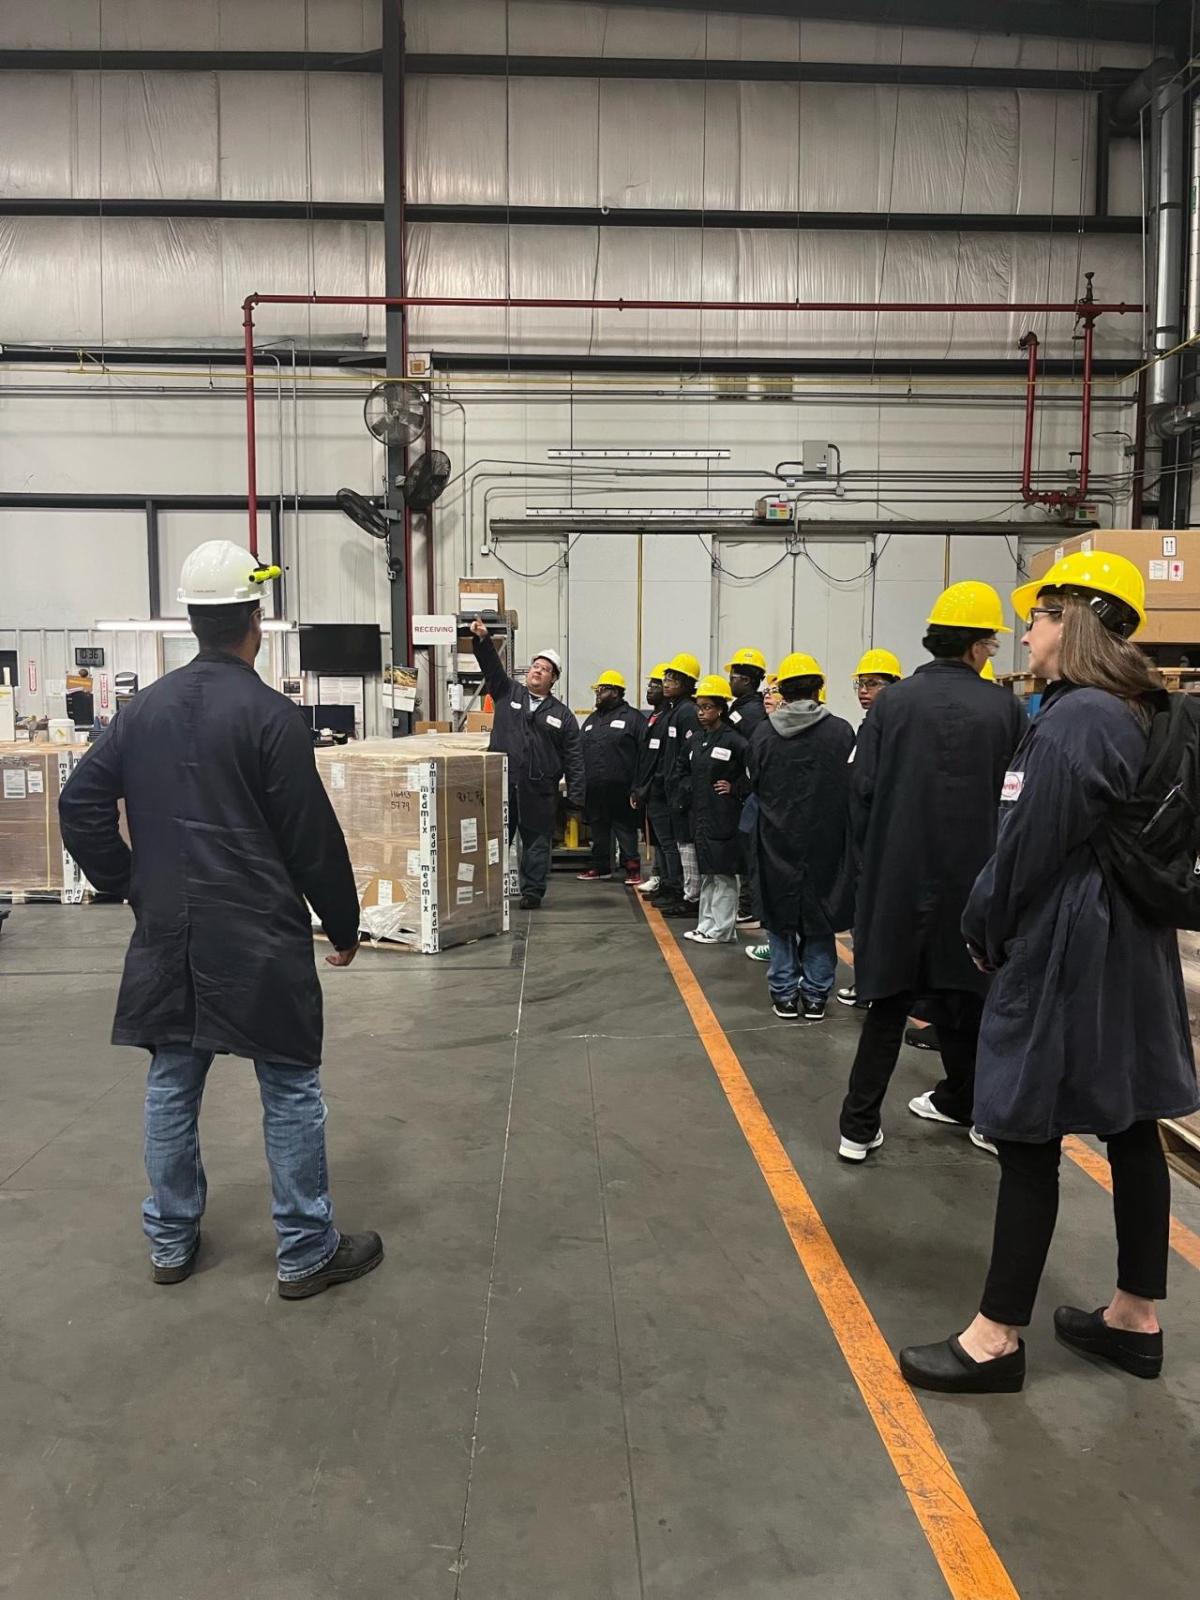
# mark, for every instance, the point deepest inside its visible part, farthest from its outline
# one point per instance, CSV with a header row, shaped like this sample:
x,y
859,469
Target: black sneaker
x,y
786,1008
178,1273
814,1011
529,902
679,908
358,1254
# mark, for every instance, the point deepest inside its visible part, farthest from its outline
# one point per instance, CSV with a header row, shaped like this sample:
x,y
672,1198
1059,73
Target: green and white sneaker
x,y
758,952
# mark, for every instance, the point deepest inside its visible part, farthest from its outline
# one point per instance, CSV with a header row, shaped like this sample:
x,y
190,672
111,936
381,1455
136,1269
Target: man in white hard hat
x,y
230,833
540,736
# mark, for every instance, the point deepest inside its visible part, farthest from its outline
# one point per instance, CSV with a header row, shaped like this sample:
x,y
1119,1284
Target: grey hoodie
x,y
797,716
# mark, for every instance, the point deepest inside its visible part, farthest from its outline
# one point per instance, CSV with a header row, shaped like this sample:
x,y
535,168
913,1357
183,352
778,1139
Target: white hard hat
x,y
552,656
220,573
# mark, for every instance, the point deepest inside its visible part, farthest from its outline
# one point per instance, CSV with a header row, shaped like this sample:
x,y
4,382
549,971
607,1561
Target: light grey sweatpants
x,y
718,906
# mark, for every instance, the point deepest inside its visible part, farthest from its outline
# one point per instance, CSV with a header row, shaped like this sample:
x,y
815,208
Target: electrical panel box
x,y
815,456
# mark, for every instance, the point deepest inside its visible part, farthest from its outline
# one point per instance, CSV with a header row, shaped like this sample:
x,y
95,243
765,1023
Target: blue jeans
x,y
806,967
294,1130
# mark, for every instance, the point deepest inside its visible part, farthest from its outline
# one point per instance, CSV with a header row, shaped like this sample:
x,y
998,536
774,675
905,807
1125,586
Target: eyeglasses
x,y
1044,611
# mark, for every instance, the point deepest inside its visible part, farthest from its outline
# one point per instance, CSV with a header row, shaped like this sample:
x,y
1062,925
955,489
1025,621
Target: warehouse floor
x,y
592,1364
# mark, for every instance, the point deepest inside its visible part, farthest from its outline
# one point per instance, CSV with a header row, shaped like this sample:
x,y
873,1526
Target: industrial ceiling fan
x,y
423,484
394,413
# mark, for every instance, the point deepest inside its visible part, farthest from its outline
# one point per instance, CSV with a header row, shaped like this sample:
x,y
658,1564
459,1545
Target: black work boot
x,y
356,1255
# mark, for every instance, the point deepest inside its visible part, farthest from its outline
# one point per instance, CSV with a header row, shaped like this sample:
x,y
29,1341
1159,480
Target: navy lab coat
x,y
612,741
925,783
802,779
718,753
231,831
1085,1027
541,745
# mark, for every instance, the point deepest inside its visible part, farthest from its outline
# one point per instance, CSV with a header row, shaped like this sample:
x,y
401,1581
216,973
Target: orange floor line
x,y
969,1563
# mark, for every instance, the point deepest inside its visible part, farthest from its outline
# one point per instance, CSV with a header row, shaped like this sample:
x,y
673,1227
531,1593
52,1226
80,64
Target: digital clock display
x,y
89,656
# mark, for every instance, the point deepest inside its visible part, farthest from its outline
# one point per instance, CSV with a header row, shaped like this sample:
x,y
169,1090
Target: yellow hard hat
x,y
714,687
879,664
747,658
656,673
610,680
988,672
687,666
969,605
1097,571
798,665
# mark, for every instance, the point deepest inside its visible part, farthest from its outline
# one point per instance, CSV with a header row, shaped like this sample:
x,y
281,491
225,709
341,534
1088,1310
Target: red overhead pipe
x,y
1059,497
520,302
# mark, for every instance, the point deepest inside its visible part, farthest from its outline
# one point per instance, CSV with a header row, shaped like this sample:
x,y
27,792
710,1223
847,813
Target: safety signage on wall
x,y
32,676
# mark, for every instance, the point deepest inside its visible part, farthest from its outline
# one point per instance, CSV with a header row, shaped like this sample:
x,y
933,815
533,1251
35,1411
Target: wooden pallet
x,y
1181,1141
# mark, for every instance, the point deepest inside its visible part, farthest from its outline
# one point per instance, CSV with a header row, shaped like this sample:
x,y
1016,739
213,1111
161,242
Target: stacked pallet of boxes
x,y
33,863
426,820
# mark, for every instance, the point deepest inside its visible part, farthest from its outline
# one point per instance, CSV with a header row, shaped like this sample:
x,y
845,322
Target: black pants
x,y
534,853
879,1048
608,812
667,863
1027,1208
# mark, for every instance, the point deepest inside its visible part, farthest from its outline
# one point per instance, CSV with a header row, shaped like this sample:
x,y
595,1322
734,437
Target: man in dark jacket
x,y
670,799
799,772
540,736
611,743
647,766
927,776
747,668
230,833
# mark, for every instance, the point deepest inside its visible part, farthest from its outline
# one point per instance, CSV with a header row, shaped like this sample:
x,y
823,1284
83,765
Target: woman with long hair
x,y
1085,1028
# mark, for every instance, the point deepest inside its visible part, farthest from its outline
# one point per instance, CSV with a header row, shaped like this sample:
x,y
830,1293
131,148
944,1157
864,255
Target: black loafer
x,y
948,1368
529,903
178,1273
1086,1331
358,1254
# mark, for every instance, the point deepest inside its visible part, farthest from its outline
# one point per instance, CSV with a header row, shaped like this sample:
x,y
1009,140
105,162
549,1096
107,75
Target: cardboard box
x,y
480,721
432,727
32,859
481,594
1169,560
426,820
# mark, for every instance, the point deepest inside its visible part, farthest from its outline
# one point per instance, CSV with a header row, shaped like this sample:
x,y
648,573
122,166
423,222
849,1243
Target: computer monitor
x,y
339,719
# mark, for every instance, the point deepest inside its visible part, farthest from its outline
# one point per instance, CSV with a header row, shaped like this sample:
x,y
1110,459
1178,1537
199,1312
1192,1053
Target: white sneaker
x,y
851,1150
923,1106
697,937
980,1143
758,952
649,886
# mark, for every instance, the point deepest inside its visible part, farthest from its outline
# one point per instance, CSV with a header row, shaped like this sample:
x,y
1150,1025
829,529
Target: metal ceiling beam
x,y
540,66
493,361
1123,21
577,216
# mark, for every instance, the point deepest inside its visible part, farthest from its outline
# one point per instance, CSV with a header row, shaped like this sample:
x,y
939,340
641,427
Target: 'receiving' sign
x,y
434,630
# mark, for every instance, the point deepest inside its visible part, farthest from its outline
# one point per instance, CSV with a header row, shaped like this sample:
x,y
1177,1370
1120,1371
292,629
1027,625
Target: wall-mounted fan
x,y
367,514
425,480
394,413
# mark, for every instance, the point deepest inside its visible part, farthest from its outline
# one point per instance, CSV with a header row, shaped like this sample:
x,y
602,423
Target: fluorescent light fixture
x,y
638,455
642,513
172,625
